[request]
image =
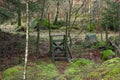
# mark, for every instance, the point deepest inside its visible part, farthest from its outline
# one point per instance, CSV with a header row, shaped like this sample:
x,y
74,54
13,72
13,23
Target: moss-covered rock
x,y
109,70
42,71
106,54
80,62
13,73
47,71
76,67
111,62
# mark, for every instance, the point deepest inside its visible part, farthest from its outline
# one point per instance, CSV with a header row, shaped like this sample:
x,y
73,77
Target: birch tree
x,y
27,38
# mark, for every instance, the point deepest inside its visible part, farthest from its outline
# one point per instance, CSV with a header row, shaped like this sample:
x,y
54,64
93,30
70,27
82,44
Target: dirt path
x,y
61,66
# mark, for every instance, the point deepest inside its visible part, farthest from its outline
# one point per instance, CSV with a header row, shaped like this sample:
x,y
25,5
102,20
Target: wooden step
x,y
59,52
60,40
61,58
60,55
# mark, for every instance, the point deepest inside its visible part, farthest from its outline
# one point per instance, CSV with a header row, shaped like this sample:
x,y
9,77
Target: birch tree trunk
x,y
27,37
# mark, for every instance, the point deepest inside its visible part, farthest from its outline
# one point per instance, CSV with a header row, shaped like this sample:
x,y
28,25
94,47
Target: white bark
x,y
27,37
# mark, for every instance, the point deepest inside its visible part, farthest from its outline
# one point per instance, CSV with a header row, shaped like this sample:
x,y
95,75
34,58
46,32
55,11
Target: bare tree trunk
x,y
38,39
90,12
27,39
69,21
69,16
57,12
101,32
38,31
106,32
66,24
119,17
19,14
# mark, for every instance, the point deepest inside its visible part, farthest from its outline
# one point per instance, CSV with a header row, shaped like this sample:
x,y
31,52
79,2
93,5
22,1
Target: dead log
x,y
114,45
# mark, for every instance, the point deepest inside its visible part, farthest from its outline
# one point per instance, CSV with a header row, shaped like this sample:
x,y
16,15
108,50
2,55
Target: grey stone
x,y
90,39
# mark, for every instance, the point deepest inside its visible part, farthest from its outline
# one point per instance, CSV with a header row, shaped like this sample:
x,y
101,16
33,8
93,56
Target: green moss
x,y
42,71
111,62
47,70
72,71
80,62
101,44
10,73
1,68
106,54
77,67
61,77
108,70
80,69
77,78
114,71
91,27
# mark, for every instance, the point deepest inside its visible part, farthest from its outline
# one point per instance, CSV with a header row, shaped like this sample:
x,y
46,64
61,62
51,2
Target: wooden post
x,y
49,32
66,24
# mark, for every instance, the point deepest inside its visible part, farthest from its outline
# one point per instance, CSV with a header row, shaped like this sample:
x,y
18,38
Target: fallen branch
x,y
114,45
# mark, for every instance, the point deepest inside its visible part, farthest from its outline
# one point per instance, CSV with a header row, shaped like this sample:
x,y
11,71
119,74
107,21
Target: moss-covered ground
x,y
79,69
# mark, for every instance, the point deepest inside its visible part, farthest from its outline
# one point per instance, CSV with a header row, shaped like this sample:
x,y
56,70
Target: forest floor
x,y
12,46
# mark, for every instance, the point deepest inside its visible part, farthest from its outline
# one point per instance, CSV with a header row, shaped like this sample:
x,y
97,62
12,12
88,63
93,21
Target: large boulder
x,y
90,39
109,70
107,54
